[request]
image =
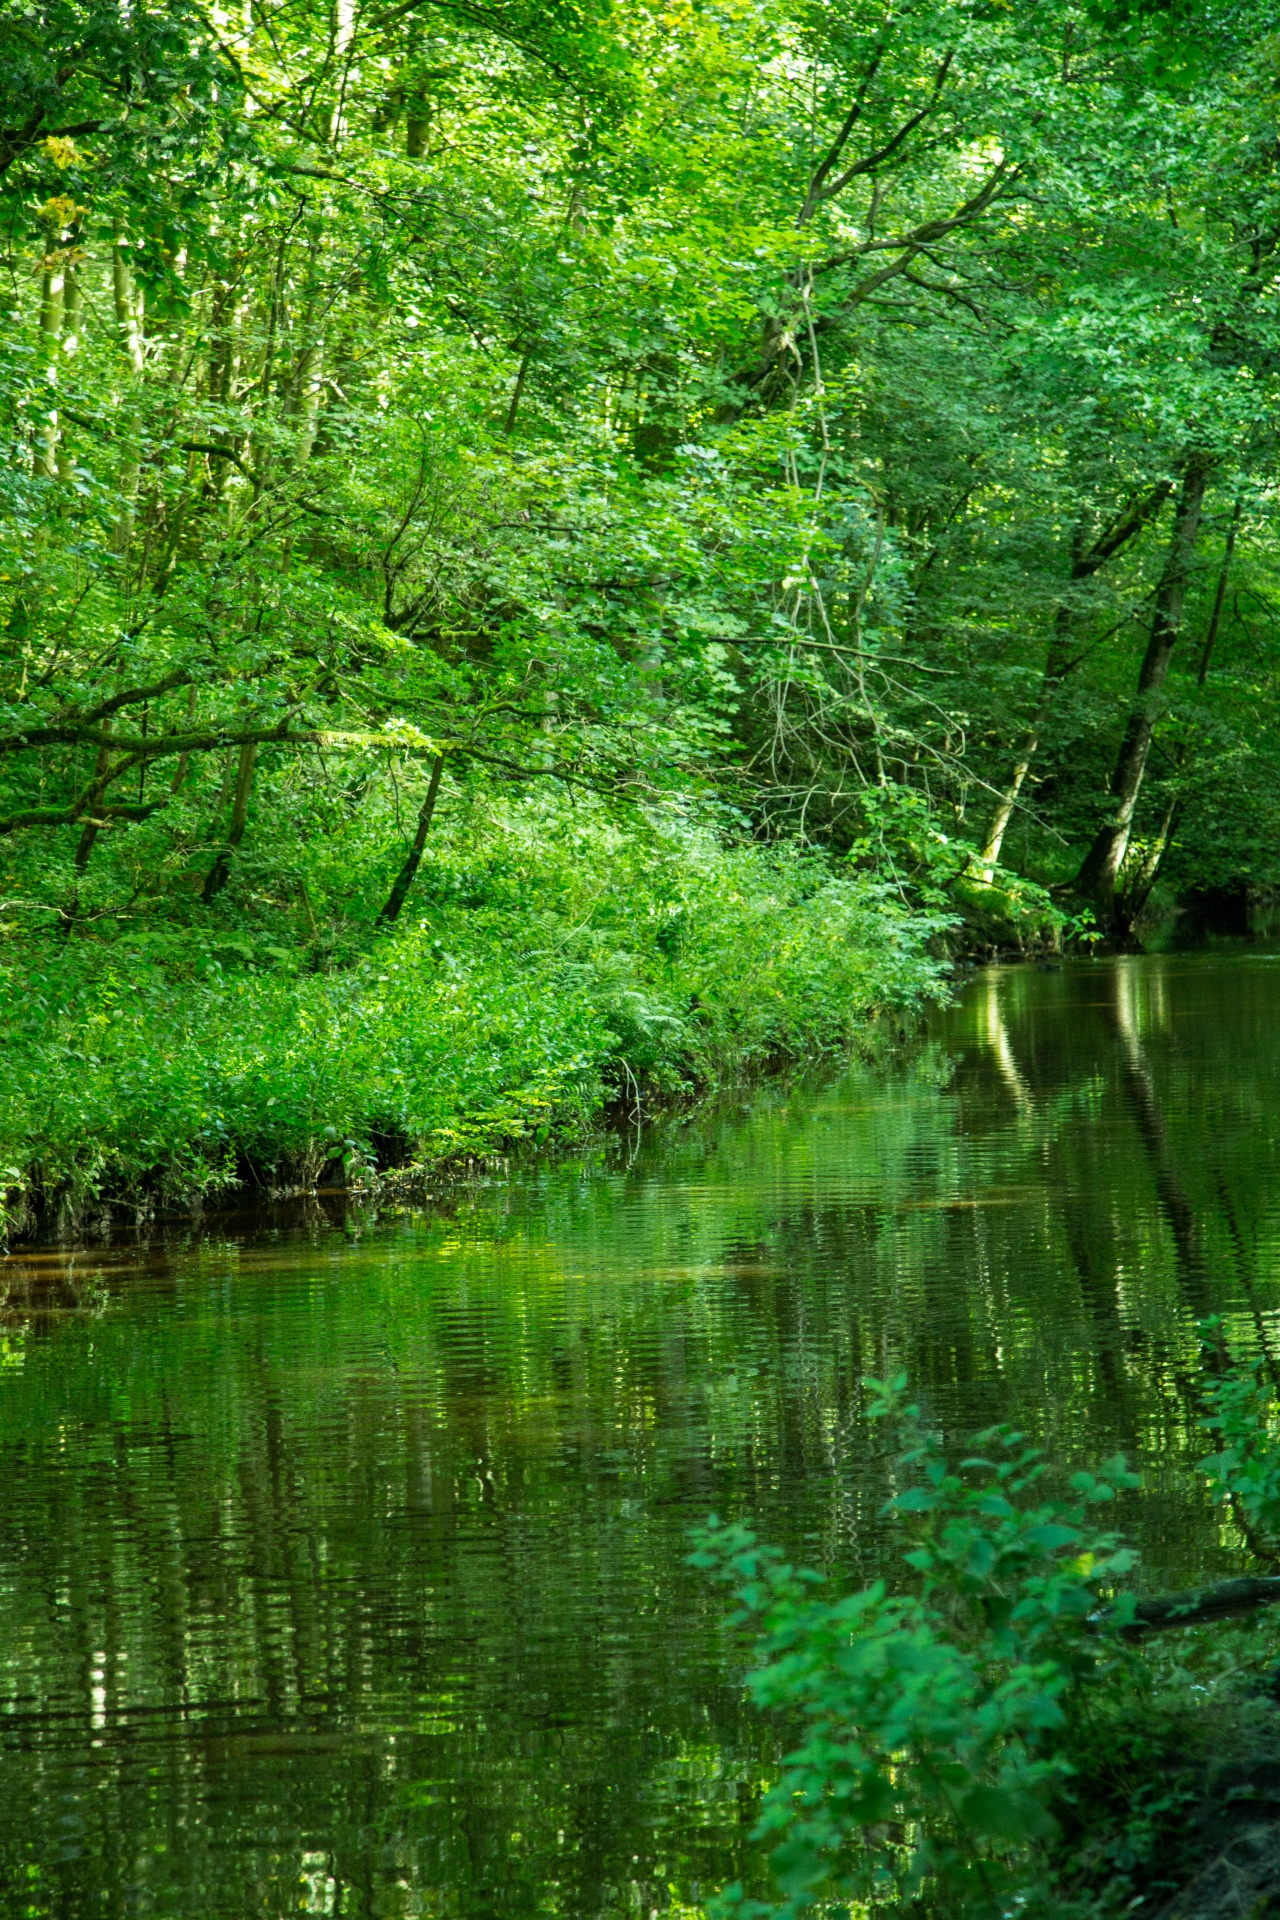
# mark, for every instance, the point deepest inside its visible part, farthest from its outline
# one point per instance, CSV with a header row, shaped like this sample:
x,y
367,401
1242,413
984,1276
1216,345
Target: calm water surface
x,y
342,1564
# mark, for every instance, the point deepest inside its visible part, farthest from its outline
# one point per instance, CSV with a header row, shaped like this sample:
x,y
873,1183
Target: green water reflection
x,y
344,1573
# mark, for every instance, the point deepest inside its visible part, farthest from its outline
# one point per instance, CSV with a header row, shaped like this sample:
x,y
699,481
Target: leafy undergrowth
x,y
529,984
994,1738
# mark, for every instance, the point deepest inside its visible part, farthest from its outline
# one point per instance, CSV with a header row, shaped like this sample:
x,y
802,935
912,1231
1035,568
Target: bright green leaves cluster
x,y
1242,1412
983,1740
932,1722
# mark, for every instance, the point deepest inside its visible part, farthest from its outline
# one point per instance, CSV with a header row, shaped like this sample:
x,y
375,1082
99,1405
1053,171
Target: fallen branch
x,y
1194,1609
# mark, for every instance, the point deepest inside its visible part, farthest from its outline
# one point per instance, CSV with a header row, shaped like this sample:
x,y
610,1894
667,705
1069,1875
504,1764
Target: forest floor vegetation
x,y
550,963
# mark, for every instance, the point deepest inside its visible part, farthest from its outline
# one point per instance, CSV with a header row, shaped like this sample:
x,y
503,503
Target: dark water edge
x,y
342,1559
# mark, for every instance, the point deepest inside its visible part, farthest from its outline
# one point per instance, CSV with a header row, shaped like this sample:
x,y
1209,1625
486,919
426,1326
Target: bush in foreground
x,y
999,1737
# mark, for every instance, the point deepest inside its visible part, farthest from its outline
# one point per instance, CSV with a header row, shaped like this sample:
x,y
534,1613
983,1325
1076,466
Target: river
x,y
342,1559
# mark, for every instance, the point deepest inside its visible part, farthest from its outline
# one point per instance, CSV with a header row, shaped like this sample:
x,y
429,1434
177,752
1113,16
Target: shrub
x,y
986,1741
932,1721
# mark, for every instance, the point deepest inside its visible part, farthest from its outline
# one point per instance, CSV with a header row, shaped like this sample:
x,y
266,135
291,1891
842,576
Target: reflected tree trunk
x,y
1002,1050
1148,1114
1098,1294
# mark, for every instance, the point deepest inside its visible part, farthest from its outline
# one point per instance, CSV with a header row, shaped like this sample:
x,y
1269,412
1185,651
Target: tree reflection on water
x,y
342,1561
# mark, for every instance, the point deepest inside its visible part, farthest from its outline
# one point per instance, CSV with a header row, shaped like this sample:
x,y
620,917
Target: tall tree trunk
x,y
88,838
52,281
184,759
84,849
308,386
1138,888
404,879
1138,885
124,301
989,857
1056,668
129,341
302,402
216,879
509,424
1220,593
1085,562
71,304
1100,870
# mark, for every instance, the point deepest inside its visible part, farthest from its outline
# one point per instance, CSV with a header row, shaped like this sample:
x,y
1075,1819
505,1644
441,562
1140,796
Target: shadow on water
x,y
343,1572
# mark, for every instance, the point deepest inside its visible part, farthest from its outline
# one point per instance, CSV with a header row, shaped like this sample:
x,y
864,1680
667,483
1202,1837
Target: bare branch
x,y
1122,529
869,162
815,192
918,238
945,287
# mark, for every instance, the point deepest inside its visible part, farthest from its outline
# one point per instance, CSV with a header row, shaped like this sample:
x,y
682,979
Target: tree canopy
x,y
845,424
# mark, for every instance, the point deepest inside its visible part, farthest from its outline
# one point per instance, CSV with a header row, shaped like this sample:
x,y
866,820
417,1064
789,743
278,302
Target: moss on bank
x,y
536,975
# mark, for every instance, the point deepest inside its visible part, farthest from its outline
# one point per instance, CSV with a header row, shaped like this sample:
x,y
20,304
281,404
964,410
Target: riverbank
x,y
156,1064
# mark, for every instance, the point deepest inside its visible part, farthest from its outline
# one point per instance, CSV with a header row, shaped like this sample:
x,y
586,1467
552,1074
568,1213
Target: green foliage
x,y
932,1722
560,963
1242,1414
985,1740
772,421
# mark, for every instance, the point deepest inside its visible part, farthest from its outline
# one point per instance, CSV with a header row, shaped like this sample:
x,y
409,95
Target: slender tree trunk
x,y
218,376
1138,885
71,302
417,130
1006,804
88,837
87,842
52,281
1220,593
184,759
1085,562
129,341
342,28
1099,874
1057,666
302,403
509,424
224,790
308,385
216,879
128,334
404,879
1138,891
989,858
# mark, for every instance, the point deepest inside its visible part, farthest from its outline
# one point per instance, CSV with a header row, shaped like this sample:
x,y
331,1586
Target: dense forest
x,y
549,549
